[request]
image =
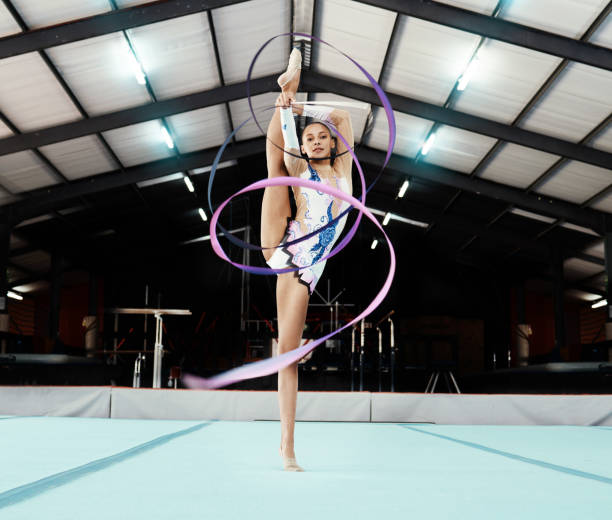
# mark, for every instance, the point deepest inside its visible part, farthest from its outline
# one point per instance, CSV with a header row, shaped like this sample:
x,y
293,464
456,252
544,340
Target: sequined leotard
x,y
315,210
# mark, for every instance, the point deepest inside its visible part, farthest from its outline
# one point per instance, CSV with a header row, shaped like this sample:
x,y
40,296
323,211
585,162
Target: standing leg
x,y
292,305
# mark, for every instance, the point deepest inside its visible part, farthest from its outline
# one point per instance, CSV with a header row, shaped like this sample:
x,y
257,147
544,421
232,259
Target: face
x,y
316,141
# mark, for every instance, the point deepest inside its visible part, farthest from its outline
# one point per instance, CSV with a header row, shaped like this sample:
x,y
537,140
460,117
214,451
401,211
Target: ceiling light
x,y
206,169
14,295
410,221
467,75
403,189
428,144
136,67
166,136
202,214
207,237
600,303
374,244
189,184
387,218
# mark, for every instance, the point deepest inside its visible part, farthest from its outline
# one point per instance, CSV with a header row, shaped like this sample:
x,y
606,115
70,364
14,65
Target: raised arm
x,y
340,120
291,143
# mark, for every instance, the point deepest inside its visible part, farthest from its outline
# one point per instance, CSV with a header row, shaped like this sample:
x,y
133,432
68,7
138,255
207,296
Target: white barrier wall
x,y
583,410
234,405
59,401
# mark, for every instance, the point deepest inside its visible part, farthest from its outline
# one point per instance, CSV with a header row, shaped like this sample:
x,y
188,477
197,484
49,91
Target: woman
x,y
314,210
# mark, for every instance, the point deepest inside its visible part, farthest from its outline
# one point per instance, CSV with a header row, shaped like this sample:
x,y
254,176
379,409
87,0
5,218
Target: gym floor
x,y
79,468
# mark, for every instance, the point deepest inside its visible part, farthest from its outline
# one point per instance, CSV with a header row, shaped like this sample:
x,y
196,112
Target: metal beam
x,y
315,82
115,21
556,208
134,115
47,199
501,30
587,258
311,82
43,200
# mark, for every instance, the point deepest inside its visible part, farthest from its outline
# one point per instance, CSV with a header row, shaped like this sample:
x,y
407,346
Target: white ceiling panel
x,y
98,72
34,220
411,132
32,287
576,182
427,59
506,79
457,149
517,165
580,229
359,113
596,250
567,17
604,204
480,6
576,269
603,35
177,55
5,131
30,96
81,157
8,25
5,197
531,215
130,3
603,141
581,295
16,242
42,13
138,144
23,171
580,99
243,28
240,112
200,129
359,30
37,261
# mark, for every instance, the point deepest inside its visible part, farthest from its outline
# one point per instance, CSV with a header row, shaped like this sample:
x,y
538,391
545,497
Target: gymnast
x,y
323,159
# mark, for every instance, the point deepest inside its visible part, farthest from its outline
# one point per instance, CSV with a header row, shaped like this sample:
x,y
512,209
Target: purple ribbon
x,y
272,365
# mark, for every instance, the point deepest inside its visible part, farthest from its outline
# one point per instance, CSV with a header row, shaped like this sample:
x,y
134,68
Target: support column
x,y
523,329
559,304
56,286
90,322
608,255
5,240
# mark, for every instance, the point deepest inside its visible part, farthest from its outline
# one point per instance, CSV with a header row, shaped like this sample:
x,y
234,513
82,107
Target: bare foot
x,y
289,462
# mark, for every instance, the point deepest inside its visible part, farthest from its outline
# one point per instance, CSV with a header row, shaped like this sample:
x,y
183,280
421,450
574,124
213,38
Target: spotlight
x,y
203,214
374,244
600,303
387,218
